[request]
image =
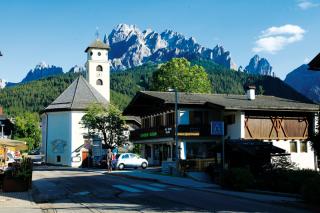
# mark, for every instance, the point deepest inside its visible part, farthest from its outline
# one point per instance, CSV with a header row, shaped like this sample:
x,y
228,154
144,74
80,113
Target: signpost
x,y
217,129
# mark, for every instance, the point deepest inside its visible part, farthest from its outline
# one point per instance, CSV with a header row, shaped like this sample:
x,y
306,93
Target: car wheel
x,y
144,165
121,166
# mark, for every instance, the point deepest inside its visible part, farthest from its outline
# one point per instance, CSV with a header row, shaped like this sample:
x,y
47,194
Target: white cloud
x,y
307,4
275,39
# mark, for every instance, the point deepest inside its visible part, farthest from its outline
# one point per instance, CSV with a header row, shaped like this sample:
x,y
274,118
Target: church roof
x,y
97,44
77,97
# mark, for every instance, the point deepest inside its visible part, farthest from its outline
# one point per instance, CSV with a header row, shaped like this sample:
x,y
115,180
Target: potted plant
x,y
18,177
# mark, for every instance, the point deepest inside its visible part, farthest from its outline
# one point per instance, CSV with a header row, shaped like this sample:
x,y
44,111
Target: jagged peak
x,y
41,65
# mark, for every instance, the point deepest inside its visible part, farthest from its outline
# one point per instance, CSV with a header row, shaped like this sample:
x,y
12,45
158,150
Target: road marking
x,y
82,193
147,187
127,188
159,185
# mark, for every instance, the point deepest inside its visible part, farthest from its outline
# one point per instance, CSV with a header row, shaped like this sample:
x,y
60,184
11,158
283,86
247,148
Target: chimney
x,y
250,91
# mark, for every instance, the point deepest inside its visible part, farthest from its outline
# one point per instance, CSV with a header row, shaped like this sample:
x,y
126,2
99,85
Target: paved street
x,y
70,190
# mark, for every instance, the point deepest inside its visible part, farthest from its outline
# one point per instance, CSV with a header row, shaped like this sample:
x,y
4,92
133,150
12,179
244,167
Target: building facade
x,y
63,136
243,124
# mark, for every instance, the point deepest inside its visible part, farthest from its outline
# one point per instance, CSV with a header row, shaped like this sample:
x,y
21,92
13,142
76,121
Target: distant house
x,y
6,125
253,128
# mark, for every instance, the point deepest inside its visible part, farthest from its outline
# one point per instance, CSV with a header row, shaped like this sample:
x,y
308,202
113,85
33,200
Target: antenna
x,y
97,33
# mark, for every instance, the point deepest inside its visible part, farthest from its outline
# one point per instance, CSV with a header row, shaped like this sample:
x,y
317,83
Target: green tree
x,y
179,74
107,121
27,127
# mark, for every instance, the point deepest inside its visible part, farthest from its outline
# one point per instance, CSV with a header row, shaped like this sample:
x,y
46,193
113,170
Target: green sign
x,y
148,134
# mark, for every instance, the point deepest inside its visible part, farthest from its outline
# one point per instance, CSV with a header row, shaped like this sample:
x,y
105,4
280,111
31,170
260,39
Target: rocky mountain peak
x,y
258,65
132,47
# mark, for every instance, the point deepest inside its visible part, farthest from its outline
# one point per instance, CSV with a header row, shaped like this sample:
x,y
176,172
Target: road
x,y
98,191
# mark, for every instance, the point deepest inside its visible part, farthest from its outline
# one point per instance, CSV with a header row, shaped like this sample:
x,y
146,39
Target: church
x,y
62,134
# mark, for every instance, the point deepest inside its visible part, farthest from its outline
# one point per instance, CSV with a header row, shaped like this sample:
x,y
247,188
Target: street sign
x,y
96,147
217,128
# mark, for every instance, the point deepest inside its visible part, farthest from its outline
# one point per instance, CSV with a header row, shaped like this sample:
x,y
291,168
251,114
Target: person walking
x,y
109,160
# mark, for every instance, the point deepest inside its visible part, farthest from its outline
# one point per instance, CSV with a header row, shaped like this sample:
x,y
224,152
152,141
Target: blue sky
x,y
286,32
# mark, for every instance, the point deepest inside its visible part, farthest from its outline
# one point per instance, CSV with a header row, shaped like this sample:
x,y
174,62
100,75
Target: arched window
x,y
99,68
99,82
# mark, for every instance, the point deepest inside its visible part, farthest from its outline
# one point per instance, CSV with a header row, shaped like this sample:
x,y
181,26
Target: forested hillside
x,y
36,95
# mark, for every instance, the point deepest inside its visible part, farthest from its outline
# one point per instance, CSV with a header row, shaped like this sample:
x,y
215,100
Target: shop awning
x,y
18,145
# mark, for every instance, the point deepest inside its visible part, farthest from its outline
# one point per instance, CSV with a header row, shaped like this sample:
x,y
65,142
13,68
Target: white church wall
x,y
59,138
77,132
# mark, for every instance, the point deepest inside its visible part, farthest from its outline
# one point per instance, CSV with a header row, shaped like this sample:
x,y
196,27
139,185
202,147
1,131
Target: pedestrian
x,y
109,160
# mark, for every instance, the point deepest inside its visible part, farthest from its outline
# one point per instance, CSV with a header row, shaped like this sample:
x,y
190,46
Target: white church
x,y
62,133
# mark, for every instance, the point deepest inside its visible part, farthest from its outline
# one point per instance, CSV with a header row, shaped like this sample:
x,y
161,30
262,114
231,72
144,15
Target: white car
x,y
129,160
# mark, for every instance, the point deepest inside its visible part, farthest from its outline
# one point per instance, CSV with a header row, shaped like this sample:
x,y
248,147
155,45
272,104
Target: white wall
x,y
77,132
43,132
59,138
235,130
304,160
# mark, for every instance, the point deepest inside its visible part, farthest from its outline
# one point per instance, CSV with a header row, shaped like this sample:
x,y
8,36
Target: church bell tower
x,y
98,68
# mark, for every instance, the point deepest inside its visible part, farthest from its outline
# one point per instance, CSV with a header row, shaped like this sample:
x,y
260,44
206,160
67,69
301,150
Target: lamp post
x,y
176,126
2,125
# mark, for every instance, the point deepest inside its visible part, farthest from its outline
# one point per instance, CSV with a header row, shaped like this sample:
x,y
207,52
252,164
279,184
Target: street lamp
x,y
176,126
2,125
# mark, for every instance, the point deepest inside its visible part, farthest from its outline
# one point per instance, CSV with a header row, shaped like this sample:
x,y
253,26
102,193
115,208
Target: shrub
x,y
311,190
282,180
237,179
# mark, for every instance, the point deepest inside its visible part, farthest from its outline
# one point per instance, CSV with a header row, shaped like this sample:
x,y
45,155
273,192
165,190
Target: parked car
x,y
36,157
126,160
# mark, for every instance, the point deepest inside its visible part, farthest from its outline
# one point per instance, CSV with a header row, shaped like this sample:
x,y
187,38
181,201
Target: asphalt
x,y
61,189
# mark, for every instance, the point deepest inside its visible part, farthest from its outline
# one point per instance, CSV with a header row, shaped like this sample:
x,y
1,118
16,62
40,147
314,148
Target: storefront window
x,y
170,119
200,150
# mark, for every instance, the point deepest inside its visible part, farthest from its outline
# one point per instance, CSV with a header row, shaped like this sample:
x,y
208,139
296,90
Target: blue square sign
x,y
217,128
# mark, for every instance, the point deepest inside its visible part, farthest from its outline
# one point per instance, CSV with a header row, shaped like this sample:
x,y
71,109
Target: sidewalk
x,y
17,202
214,188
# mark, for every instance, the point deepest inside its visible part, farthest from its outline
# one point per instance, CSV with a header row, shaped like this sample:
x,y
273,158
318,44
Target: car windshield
x,y
34,152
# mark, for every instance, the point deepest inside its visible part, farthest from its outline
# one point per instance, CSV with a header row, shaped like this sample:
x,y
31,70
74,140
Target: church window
x,y
58,159
91,53
99,53
99,82
99,68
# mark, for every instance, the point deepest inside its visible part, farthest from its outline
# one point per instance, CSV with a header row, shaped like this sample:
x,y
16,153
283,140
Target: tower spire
x,y
97,33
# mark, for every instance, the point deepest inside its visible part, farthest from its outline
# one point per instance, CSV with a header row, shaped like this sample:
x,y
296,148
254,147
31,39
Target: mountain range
x,y
131,47
305,82
41,70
